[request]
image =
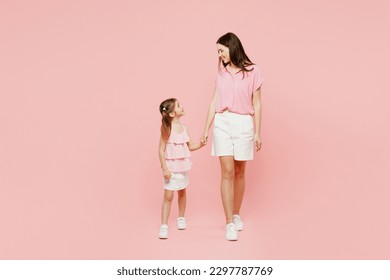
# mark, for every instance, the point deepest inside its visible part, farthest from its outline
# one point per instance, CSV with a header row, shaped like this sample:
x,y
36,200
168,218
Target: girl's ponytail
x,y
166,107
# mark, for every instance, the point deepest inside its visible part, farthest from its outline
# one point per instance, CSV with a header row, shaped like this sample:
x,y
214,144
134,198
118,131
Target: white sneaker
x,y
231,232
163,232
237,222
181,223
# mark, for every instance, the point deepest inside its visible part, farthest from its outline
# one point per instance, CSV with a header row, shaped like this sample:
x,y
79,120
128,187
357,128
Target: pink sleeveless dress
x,y
178,159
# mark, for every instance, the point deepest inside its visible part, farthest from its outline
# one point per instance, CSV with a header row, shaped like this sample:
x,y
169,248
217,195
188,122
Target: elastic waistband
x,y
226,112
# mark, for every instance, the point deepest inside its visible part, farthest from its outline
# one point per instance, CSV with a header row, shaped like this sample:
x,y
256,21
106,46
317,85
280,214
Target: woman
x,y
235,106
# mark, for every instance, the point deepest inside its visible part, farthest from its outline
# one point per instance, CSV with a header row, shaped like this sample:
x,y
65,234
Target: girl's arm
x,y
209,119
256,99
191,145
161,154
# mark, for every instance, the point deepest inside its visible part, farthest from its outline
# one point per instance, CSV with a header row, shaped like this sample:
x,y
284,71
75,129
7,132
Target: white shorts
x,y
178,181
233,136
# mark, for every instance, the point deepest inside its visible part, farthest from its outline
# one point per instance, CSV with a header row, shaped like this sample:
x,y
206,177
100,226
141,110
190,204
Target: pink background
x,y
80,85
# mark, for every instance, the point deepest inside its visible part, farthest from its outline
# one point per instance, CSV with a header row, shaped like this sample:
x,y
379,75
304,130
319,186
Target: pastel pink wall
x,y
80,85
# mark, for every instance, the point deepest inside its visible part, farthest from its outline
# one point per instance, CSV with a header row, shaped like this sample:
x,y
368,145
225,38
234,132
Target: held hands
x,y
203,139
202,143
257,141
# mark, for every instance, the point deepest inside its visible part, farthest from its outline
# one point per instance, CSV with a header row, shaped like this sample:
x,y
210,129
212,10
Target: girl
x,y
174,153
235,104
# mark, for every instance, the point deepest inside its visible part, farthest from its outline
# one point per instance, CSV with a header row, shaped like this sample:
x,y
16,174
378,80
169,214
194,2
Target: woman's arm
x,y
256,99
161,154
209,119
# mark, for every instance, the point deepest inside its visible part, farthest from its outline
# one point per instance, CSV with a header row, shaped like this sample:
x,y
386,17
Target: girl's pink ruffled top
x,y
177,154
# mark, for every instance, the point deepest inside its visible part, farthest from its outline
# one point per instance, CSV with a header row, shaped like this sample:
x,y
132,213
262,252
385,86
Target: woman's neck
x,y
231,65
233,68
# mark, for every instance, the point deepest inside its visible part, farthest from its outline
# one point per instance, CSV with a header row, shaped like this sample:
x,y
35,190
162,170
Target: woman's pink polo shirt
x,y
234,93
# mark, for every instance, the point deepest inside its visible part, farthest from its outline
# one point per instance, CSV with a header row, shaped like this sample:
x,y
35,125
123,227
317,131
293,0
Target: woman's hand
x,y
167,174
257,142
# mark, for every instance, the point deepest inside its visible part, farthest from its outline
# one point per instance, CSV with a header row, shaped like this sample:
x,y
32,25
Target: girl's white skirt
x,y
178,181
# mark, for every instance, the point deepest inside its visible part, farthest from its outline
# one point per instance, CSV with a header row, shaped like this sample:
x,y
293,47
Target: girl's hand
x,y
257,142
167,174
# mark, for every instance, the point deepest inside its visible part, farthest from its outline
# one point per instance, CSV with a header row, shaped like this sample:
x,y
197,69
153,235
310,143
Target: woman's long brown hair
x,y
237,53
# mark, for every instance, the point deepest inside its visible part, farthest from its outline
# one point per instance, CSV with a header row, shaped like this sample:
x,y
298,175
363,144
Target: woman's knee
x,y
239,170
228,174
227,168
239,174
